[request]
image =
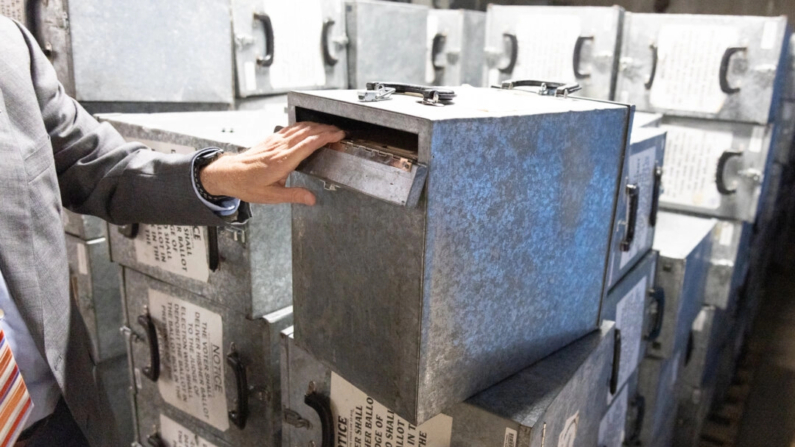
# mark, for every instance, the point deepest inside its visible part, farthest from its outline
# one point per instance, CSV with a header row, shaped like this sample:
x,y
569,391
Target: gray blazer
x,y
54,154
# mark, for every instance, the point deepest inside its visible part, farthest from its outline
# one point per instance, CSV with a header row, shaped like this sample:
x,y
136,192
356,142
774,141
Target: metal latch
x,y
754,175
434,96
545,88
380,94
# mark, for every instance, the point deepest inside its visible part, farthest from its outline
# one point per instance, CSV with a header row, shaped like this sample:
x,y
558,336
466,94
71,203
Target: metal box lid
x,y
679,234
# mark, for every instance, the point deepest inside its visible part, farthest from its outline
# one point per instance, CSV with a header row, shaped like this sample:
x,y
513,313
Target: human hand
x,y
258,175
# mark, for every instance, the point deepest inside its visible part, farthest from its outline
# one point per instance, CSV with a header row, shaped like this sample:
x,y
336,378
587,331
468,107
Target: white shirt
x,y
43,389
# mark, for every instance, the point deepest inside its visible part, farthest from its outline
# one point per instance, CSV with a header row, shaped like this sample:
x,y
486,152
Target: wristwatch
x,y
200,162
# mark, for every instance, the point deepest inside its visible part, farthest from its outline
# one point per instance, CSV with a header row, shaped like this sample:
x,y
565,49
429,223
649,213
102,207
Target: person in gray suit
x,y
54,155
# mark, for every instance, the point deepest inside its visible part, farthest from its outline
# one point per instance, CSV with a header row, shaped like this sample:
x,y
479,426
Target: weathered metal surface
x,y
629,304
115,380
620,421
254,261
692,411
511,231
200,369
785,134
710,331
460,56
82,226
633,229
672,63
693,167
386,42
684,243
94,281
559,398
562,44
728,265
658,384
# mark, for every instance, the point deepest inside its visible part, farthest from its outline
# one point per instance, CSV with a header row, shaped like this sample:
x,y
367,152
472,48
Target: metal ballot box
x,y
115,382
629,304
709,333
94,283
789,88
691,414
246,268
386,42
566,44
638,202
785,134
418,274
728,68
644,119
716,168
203,365
561,398
622,420
728,265
83,226
684,243
456,47
281,46
658,384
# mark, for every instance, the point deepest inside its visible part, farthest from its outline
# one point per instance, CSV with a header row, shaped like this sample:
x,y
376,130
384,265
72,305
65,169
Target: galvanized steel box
x,y
203,365
562,44
424,293
684,243
658,384
560,399
248,267
82,226
709,334
728,265
623,419
729,68
456,45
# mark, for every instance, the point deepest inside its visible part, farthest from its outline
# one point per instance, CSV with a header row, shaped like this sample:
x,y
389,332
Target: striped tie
x,y
15,403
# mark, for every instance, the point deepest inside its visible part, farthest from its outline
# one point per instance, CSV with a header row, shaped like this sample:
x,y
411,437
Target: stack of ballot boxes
x,y
718,83
447,284
204,306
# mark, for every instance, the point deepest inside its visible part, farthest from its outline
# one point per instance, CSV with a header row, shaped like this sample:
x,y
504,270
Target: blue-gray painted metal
x,y
658,384
710,331
501,261
619,423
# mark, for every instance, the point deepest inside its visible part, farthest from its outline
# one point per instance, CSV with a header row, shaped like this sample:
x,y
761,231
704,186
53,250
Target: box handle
x,y
324,43
633,197
213,256
655,195
658,295
722,162
639,402
616,362
691,344
576,57
322,406
129,231
508,69
152,370
436,49
546,88
267,59
378,91
239,415
653,72
154,440
724,69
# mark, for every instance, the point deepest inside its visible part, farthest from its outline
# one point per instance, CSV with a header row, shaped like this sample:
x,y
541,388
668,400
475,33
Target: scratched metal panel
x,y
684,243
254,269
658,384
570,385
152,51
728,266
461,57
619,423
643,168
256,341
386,42
498,244
600,27
83,226
758,72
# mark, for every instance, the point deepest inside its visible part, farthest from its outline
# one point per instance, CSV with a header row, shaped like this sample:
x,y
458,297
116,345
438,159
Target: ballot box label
x,y
192,358
175,435
363,421
181,250
552,60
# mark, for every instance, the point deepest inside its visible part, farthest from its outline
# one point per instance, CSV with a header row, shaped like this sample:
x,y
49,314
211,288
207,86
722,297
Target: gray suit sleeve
x,y
101,174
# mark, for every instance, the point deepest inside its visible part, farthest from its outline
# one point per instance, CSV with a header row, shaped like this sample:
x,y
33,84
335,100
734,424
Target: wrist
x,y
213,177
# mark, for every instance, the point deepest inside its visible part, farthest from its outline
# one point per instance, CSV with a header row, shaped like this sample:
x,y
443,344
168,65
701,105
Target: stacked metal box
x,y
203,306
455,47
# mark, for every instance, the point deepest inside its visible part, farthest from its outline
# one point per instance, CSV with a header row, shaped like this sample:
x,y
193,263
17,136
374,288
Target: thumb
x,y
281,194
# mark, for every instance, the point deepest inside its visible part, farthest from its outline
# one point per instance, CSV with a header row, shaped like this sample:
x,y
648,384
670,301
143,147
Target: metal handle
x,y
655,195
213,256
691,344
722,162
128,231
633,199
616,363
547,88
154,440
508,69
576,57
430,95
239,415
724,70
322,406
324,43
639,402
653,72
658,295
152,370
267,59
436,49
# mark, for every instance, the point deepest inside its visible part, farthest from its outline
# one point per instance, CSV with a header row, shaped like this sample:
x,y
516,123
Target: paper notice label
x,y
250,74
510,438
688,67
611,428
82,259
298,58
552,59
629,320
726,233
192,358
641,167
569,433
769,35
691,160
175,435
364,418
165,148
175,249
433,29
